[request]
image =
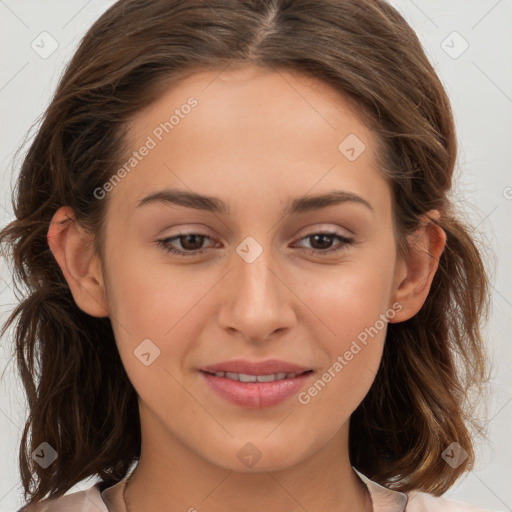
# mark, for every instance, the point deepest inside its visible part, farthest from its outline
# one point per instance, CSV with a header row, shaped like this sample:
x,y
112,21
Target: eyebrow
x,y
216,205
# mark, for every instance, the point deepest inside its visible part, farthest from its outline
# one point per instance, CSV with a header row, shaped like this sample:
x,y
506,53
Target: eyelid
x,y
177,236
346,241
325,228
304,232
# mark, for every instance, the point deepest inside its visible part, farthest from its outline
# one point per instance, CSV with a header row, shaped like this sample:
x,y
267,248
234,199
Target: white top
x,y
383,499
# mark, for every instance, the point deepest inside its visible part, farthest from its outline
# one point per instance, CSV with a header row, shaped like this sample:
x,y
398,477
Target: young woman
x,y
247,286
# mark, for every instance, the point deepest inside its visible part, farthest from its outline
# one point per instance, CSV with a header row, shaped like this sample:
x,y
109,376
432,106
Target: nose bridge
x,y
256,302
255,286
254,280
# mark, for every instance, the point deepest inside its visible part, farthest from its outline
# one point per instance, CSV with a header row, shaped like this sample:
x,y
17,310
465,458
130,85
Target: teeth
x,y
244,377
266,378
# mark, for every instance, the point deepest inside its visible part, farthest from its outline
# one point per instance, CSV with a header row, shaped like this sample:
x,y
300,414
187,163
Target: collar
x,y
383,499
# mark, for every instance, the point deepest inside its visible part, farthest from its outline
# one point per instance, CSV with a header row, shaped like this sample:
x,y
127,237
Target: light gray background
x,y
479,83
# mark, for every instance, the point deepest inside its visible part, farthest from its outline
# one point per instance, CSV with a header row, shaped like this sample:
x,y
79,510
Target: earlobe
x,y
73,248
426,246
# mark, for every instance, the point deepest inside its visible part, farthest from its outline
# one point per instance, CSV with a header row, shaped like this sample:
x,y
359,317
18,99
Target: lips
x,y
256,384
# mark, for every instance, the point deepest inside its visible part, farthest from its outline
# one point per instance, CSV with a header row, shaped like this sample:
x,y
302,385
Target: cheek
x,y
352,351
351,298
352,311
147,294
352,307
157,303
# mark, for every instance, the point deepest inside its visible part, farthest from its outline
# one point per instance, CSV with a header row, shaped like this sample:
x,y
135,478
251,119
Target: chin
x,y
260,455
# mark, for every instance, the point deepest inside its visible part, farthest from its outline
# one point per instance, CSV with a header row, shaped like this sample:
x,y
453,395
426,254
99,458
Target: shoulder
x,y
388,500
424,502
89,500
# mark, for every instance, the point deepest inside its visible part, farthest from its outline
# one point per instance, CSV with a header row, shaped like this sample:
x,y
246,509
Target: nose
x,y
257,302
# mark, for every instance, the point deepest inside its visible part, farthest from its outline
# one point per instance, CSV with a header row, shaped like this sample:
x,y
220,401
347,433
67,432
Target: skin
x,y
257,140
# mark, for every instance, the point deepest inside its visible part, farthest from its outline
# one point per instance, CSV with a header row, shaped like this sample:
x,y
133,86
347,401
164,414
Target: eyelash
x,y
164,243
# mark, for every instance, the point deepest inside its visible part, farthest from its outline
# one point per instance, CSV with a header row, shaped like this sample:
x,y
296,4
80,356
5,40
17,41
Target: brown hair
x,y
80,399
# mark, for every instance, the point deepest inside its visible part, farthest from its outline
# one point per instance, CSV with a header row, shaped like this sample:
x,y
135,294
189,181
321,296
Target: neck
x,y
171,477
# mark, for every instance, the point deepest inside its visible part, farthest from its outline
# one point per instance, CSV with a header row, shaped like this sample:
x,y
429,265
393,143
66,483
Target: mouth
x,y
256,385
245,377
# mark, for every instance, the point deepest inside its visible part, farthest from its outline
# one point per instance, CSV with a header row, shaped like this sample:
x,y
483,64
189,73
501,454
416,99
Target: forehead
x,y
261,93
250,127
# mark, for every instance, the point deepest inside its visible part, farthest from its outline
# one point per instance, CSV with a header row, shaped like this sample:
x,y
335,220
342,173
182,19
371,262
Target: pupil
x,y
326,238
197,245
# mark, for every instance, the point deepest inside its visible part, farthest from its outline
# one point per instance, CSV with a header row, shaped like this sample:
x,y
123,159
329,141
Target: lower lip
x,y
256,395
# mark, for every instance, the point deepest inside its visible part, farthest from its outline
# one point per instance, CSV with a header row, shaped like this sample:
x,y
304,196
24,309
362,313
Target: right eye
x,y
190,243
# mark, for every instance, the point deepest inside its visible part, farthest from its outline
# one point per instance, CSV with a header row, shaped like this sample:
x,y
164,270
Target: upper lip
x,y
247,367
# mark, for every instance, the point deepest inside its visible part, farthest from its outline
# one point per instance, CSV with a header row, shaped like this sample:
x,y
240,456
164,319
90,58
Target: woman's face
x,y
267,269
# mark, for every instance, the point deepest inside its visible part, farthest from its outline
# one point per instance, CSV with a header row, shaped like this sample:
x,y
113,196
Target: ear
x,y
73,248
414,274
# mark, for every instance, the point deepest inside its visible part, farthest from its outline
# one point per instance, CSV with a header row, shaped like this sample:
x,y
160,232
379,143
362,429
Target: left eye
x,y
191,243
324,239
